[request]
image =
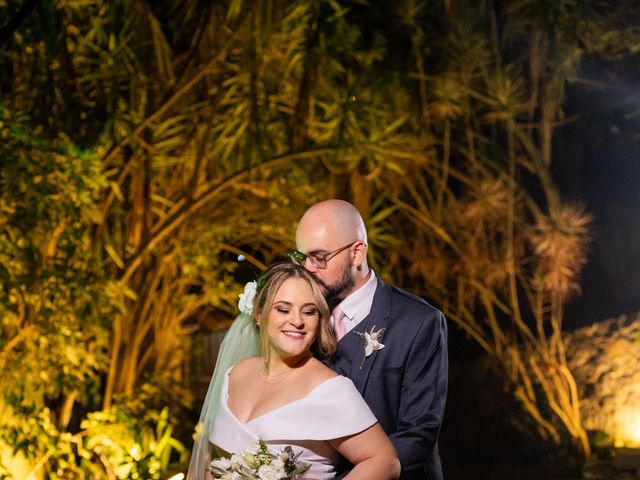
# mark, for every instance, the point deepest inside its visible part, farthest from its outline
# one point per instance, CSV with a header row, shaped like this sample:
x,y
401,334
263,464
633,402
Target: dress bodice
x,y
332,409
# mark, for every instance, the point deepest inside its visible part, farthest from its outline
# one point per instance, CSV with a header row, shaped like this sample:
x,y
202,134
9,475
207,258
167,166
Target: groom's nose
x,y
309,266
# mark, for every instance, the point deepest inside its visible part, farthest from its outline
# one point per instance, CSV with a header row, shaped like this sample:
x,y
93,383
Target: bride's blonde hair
x,y
325,341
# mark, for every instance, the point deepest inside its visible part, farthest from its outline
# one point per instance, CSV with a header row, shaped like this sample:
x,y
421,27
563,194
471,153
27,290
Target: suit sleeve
x,y
423,396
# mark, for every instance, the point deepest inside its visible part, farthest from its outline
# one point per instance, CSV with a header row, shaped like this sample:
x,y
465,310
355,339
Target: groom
x,y
403,376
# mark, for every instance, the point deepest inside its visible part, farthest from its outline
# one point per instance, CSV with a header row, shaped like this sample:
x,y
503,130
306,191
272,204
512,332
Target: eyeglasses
x,y
318,259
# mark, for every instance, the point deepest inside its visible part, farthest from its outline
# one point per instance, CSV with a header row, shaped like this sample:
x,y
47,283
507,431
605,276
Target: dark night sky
x,y
597,162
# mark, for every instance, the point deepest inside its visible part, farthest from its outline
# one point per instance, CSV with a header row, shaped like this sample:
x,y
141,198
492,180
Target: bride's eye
x,y
310,312
282,309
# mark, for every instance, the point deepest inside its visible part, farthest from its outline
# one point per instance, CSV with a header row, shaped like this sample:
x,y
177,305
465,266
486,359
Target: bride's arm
x,y
371,453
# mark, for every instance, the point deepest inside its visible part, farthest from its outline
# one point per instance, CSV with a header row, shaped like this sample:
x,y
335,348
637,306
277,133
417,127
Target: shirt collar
x,y
358,304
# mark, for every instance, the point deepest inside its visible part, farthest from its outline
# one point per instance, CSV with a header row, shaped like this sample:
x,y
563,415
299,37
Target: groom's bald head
x,y
336,218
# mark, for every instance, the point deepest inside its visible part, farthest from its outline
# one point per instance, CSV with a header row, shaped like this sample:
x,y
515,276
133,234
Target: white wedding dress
x,y
332,409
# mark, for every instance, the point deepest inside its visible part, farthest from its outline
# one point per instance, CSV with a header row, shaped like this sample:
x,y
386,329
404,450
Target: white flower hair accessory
x,y
371,341
245,301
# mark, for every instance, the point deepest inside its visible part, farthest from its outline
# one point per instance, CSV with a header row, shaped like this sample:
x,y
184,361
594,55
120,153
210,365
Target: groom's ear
x,y
359,253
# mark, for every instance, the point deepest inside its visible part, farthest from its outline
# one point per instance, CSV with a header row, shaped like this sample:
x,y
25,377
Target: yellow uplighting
x,y
635,432
628,434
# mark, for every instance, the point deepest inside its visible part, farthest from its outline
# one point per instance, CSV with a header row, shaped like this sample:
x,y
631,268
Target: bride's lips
x,y
293,334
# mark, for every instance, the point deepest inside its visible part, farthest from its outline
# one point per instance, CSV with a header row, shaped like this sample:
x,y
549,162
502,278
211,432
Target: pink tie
x,y
338,322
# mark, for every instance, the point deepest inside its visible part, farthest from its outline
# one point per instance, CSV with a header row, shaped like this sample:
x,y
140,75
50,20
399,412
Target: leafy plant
x,y
161,141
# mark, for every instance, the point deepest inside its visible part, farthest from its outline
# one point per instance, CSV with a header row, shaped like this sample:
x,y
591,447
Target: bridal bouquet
x,y
258,463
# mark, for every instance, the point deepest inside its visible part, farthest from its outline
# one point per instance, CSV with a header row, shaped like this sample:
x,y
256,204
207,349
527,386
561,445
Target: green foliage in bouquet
x,y
256,462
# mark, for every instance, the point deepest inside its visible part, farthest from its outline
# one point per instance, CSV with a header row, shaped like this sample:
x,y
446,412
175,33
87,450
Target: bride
x,y
286,396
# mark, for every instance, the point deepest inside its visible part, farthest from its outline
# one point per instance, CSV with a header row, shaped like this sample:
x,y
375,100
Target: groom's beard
x,y
339,290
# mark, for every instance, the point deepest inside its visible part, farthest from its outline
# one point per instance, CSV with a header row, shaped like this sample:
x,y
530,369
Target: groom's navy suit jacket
x,y
404,383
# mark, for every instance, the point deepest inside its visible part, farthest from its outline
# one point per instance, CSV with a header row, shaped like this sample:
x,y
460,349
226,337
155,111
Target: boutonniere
x,y
371,341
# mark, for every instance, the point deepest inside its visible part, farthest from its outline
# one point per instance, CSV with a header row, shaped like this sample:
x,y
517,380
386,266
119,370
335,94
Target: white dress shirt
x,y
358,305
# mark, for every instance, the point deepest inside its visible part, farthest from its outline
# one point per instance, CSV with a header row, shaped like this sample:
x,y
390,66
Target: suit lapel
x,y
352,345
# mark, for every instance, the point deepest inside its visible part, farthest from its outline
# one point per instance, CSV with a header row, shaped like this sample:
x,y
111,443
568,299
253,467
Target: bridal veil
x,y
241,341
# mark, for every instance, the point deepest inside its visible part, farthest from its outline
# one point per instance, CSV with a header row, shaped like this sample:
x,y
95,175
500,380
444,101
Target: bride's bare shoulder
x,y
246,367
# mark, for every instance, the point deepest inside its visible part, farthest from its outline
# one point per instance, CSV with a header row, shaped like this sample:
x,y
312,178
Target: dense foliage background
x,y
145,145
